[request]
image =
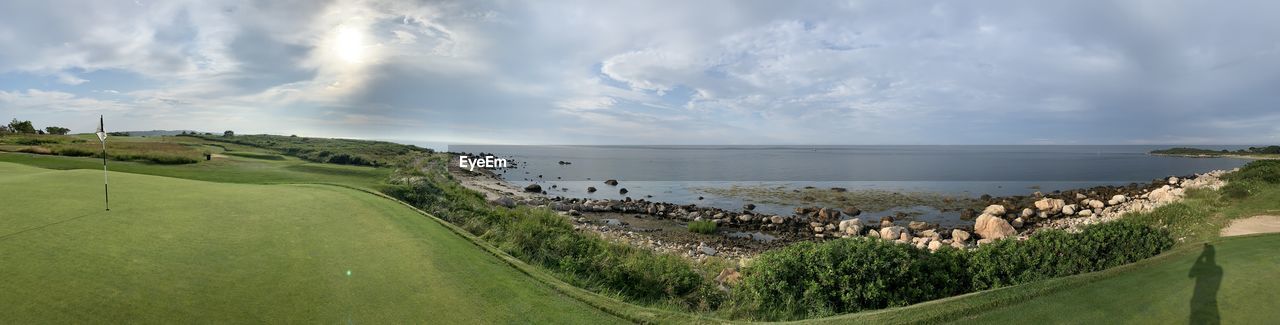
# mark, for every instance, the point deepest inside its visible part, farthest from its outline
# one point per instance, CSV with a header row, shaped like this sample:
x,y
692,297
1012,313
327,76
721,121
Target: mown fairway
x,y
183,251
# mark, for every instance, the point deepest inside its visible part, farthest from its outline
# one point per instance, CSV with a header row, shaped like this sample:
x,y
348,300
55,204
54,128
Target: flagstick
x,y
106,194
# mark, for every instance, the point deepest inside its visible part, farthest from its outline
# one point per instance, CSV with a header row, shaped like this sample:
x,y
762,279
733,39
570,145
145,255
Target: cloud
x,y
658,71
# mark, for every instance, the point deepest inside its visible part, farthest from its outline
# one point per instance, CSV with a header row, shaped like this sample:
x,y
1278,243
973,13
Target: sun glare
x,y
349,45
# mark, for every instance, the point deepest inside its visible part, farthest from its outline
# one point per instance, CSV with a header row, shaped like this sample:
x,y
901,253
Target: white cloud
x,y
867,72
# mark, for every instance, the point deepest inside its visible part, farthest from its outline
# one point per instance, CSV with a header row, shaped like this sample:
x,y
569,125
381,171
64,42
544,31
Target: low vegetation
x,y
804,280
1184,151
702,227
333,151
122,150
542,238
820,279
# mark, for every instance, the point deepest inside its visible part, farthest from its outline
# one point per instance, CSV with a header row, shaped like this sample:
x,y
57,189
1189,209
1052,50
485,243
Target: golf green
x,y
183,251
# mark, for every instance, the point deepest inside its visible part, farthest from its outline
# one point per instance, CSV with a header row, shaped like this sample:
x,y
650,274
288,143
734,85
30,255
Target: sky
x,y
654,72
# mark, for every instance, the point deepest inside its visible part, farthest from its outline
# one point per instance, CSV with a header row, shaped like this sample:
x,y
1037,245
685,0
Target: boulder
x,y
744,217
905,237
623,191
1017,223
612,182
1173,180
1085,213
591,189
992,227
1050,205
828,214
1081,196
994,209
503,201
852,211
917,225
886,222
934,245
931,234
1096,204
959,236
749,207
777,220
534,188
851,226
891,233
1165,194
707,250
1069,209
1117,199
1028,212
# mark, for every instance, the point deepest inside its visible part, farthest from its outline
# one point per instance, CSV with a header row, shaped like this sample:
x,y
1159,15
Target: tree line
x,y
26,127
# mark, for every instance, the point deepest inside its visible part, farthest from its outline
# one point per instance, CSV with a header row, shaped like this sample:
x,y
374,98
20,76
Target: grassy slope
x,y
230,169
180,251
1161,293
945,309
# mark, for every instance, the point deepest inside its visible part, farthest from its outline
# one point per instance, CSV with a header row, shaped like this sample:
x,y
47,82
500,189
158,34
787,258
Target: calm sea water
x,y
670,173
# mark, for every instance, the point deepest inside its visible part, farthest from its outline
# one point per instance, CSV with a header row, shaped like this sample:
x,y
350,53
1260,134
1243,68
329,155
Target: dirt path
x,y
1252,225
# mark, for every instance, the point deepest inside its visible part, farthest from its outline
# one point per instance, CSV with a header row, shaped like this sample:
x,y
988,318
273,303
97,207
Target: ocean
x,y
680,174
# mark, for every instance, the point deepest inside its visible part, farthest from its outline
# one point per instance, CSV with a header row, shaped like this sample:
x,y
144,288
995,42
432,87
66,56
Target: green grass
x,y
254,155
1163,292
702,227
154,150
336,151
228,170
183,251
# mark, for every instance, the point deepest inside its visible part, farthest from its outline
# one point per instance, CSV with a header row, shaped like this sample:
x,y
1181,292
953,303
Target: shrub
x,y
817,279
1054,253
541,237
1240,189
1258,170
702,227
848,275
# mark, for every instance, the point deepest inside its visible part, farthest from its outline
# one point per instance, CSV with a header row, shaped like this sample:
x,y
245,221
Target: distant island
x,y
1268,152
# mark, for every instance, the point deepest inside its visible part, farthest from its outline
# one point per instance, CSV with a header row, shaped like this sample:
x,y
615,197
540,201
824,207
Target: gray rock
x,y
503,201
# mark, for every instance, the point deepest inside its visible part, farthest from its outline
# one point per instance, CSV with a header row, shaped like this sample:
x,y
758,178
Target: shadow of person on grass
x,y
1204,301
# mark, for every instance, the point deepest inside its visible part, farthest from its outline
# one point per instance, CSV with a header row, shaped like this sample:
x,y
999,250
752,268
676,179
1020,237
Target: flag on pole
x,y
102,136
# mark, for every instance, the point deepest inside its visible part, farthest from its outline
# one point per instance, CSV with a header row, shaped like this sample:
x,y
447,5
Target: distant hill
x,y
157,133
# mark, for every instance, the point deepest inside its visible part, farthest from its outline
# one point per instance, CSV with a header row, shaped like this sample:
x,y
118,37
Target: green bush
x,y
702,227
1267,171
818,279
811,279
543,238
803,280
1054,253
1240,189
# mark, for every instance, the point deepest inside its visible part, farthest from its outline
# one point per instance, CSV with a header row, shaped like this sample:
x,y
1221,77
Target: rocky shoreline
x,y
744,233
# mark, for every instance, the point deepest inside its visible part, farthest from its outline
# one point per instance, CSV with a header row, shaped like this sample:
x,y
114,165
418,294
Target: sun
x,y
349,45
